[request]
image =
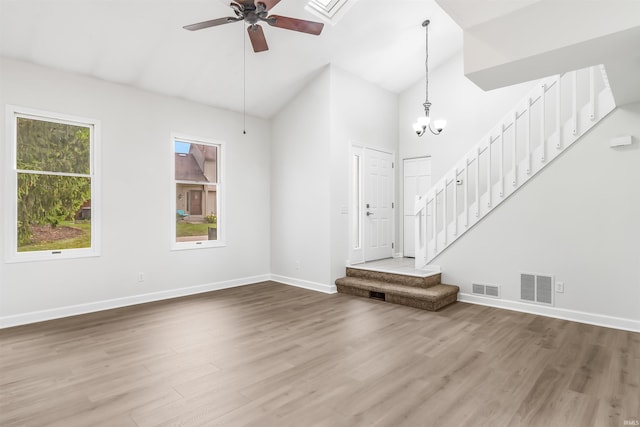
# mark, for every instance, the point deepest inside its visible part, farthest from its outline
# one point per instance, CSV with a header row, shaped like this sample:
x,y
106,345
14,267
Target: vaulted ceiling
x,y
507,42
141,43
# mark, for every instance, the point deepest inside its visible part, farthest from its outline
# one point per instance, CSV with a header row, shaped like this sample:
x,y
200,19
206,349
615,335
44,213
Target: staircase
x,y
415,290
546,123
552,117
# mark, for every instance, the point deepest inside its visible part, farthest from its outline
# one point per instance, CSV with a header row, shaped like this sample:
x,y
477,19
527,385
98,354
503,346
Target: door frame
x,y
356,202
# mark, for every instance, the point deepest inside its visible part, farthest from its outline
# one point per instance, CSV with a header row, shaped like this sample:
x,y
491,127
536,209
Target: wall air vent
x,y
536,288
486,290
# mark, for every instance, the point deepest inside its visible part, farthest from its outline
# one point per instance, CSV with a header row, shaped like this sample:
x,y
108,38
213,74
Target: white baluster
x,y
542,124
455,202
502,160
444,213
592,95
489,175
466,192
514,153
477,181
559,112
435,222
574,117
527,136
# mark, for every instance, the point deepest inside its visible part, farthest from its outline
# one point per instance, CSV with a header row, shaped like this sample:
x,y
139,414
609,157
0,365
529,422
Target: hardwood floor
x,y
274,355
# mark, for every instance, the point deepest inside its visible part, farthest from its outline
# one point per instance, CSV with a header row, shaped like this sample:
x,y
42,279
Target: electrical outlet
x,y
297,265
560,287
140,277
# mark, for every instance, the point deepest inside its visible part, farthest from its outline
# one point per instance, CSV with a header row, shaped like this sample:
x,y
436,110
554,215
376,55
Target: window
x,y
53,186
197,188
356,202
330,11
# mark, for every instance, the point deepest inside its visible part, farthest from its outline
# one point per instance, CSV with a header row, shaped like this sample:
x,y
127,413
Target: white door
x,y
417,180
378,205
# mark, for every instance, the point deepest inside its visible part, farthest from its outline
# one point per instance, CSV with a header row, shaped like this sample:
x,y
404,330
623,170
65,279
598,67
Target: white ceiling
x,y
141,43
576,34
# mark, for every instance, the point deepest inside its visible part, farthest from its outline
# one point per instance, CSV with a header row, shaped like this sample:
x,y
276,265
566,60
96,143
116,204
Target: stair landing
x,y
404,266
398,281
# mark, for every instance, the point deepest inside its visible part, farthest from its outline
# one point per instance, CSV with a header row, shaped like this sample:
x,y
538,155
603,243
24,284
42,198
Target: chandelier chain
x,y
426,62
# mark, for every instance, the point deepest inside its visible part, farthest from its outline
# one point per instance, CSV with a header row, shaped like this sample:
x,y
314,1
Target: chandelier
x,y
424,122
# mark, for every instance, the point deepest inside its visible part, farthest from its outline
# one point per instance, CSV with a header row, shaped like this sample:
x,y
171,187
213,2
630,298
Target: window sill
x,y
200,244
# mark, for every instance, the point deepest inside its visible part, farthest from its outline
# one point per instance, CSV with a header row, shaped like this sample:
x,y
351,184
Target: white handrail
x,y
527,158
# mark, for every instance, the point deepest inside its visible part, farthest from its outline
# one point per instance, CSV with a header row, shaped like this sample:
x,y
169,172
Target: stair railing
x,y
552,116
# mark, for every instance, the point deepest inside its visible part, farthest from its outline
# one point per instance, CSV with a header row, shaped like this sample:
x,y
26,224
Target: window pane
x,y
52,147
196,162
54,212
196,212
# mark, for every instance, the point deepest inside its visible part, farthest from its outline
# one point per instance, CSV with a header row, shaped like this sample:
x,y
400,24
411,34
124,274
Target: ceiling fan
x,y
254,11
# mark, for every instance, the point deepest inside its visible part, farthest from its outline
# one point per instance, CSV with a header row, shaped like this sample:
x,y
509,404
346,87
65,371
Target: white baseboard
x,y
314,286
558,313
57,313
73,310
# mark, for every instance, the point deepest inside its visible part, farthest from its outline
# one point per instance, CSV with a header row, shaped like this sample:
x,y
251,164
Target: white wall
x,y
365,115
136,151
572,38
300,175
470,113
578,220
311,138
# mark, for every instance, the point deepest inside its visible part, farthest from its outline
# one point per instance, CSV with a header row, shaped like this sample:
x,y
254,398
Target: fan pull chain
x,y
244,83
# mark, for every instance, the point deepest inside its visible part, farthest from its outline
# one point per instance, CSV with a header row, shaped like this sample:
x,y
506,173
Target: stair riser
x,y
352,291
418,282
432,298
421,304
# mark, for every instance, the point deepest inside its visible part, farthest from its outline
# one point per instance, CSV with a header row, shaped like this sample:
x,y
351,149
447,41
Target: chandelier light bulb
x,y
440,124
424,121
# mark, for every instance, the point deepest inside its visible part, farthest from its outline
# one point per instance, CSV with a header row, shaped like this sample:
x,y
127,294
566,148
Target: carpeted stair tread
x,y
415,281
432,293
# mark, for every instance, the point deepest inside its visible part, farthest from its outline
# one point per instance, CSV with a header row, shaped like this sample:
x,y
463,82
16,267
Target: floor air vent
x,y
536,288
376,295
486,290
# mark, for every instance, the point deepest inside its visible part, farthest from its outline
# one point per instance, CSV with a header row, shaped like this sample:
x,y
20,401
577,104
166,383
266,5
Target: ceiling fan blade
x,y
268,3
212,23
294,24
256,35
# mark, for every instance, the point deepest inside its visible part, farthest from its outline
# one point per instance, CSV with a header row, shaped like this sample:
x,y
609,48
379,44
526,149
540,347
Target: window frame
x,y
330,11
14,112
220,194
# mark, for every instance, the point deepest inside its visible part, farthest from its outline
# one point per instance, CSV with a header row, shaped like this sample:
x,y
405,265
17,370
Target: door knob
x,y
369,213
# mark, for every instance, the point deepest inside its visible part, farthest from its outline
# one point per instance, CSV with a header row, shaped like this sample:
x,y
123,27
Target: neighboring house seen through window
x,y
52,186
197,192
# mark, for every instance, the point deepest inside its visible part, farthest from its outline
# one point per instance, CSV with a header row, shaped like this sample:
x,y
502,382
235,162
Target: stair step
x,y
431,298
397,278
